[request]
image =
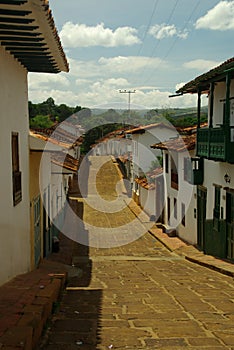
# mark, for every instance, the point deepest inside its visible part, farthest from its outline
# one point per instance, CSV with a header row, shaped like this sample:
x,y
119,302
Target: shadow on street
x,y
76,322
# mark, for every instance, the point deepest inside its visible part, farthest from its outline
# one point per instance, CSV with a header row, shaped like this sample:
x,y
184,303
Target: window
x,y
175,208
183,214
174,172
16,173
166,163
168,210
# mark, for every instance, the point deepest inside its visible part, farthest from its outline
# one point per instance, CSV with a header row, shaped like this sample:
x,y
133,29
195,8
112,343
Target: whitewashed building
x,y
51,170
215,146
142,155
30,43
177,191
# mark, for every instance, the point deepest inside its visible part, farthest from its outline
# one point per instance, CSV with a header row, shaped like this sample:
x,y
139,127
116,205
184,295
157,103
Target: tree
x,y
41,122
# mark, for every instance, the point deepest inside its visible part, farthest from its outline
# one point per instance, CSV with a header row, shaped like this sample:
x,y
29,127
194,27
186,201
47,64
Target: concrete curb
x,y
188,251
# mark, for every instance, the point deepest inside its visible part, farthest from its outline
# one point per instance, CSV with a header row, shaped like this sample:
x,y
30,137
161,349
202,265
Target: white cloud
x,y
162,31
201,65
220,17
114,66
39,80
130,63
100,93
80,35
60,96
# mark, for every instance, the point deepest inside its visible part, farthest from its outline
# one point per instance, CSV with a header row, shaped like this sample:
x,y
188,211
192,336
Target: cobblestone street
x,y
139,295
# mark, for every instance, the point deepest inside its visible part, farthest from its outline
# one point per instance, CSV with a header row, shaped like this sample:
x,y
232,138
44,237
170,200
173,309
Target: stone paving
x,y
139,295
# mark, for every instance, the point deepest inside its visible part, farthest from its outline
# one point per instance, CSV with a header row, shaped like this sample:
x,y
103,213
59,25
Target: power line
x,y
148,26
158,42
175,41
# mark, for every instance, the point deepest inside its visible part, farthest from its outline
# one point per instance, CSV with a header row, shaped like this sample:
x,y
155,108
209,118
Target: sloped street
x,y
138,295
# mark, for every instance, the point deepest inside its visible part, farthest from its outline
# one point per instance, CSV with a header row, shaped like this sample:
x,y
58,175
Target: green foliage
x,y
40,121
94,134
49,108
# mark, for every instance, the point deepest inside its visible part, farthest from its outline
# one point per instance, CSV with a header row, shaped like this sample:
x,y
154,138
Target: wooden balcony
x,y
215,144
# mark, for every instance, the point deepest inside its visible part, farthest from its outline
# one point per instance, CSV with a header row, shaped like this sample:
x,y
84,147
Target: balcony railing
x,y
213,143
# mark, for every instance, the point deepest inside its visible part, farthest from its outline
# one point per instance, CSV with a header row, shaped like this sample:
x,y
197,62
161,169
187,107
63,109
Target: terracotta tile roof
x,y
125,157
28,32
179,144
190,129
148,182
202,81
57,136
142,128
65,160
116,134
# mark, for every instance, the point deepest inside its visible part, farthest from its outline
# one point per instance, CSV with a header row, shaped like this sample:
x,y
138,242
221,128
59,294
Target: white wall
x,y
143,155
58,195
186,195
214,174
220,94
14,221
147,199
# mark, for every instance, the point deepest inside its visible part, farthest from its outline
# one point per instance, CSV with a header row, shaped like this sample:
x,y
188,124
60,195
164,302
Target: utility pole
x,y
129,92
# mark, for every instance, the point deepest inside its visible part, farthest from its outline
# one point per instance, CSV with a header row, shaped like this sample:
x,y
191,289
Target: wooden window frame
x,y
175,208
166,163
16,173
183,214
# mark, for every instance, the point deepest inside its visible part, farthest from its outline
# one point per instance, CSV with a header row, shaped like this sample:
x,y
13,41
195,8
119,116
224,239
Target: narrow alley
x,y
137,295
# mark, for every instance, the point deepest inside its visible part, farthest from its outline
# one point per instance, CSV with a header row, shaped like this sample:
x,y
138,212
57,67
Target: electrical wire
x,y
148,26
174,42
158,42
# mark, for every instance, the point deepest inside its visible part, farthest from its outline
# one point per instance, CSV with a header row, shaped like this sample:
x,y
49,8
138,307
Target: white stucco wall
x,y
58,195
219,97
14,221
186,195
143,154
214,174
147,200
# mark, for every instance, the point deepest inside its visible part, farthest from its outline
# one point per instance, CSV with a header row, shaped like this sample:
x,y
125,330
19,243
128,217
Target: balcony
x,y
214,144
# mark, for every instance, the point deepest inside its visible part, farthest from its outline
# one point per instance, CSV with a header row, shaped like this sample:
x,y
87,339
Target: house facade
x,y
17,58
142,155
215,147
176,196
51,170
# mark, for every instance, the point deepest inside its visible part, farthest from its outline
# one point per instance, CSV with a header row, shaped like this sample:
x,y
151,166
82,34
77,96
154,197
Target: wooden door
x,y
230,224
201,215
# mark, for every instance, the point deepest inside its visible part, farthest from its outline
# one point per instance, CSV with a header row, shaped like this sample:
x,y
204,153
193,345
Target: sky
x,y
151,47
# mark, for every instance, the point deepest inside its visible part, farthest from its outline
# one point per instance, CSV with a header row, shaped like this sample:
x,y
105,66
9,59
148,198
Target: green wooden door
x,y
201,215
230,224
